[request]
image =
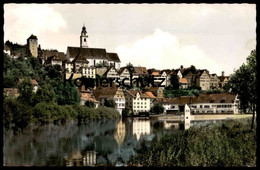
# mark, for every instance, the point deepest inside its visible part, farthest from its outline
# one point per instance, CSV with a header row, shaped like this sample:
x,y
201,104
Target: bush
x,y
224,144
157,109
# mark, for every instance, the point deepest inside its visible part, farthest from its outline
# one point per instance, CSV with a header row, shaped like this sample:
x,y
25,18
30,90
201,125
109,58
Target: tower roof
x,y
84,29
33,37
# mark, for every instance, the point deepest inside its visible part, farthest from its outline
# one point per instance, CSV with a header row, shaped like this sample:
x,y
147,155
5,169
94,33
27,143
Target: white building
x,y
96,57
115,93
137,101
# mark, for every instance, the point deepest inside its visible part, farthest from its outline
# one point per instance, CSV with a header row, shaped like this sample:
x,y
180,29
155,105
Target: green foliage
x,y
181,92
66,94
174,80
243,83
89,104
16,113
110,103
44,94
225,144
26,91
157,108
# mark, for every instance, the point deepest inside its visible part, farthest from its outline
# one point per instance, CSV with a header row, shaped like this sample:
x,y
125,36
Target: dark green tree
x,y
110,103
90,104
157,108
26,92
243,83
66,94
174,80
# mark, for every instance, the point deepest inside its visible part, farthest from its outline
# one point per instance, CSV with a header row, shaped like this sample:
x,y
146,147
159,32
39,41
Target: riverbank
x,y
201,117
230,143
19,115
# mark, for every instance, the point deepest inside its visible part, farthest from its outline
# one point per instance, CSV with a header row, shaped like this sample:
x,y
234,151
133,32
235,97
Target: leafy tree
x,y
243,83
193,69
110,103
44,94
16,113
66,94
174,80
157,108
90,104
26,91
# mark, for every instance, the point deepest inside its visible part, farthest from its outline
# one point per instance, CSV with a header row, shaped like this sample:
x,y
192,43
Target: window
x,y
84,39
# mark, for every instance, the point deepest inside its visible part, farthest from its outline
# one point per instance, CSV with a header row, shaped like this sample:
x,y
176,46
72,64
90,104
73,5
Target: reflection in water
x,y
95,143
171,125
141,127
77,158
120,132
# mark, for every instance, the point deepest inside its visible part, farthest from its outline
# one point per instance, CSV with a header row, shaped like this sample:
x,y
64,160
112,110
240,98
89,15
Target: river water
x,y
110,142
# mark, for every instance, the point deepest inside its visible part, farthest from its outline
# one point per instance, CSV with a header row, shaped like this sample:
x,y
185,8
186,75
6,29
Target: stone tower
x,y
32,44
83,38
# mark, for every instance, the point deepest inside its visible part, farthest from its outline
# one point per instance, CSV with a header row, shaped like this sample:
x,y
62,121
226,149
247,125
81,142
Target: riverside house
x,y
203,104
115,93
138,101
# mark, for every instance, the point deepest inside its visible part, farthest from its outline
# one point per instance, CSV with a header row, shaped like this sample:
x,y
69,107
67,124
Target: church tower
x,y
83,38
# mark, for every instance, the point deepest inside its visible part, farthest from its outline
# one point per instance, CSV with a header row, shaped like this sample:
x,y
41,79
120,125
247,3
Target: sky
x,y
216,37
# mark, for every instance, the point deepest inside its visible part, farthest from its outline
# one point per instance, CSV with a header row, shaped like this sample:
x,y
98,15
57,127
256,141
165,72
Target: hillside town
x,y
85,61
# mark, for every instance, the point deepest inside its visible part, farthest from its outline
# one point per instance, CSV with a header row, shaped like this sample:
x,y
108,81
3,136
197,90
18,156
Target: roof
x,y
87,53
12,92
215,98
109,70
112,57
86,95
48,53
33,37
7,48
200,72
33,81
183,81
80,58
105,92
221,78
176,100
141,70
133,93
202,98
155,73
150,94
57,56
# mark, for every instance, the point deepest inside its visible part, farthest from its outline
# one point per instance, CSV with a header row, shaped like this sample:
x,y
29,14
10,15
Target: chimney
x,y
223,73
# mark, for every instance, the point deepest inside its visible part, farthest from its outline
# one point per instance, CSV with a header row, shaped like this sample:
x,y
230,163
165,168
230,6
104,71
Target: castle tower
x,y
83,38
32,44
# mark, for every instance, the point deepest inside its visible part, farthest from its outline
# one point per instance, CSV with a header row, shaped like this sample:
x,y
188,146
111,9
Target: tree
x,y
110,103
157,108
44,94
26,91
193,69
90,104
131,70
66,94
243,83
174,80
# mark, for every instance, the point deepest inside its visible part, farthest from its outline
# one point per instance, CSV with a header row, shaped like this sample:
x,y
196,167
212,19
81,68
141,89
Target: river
x,y
110,142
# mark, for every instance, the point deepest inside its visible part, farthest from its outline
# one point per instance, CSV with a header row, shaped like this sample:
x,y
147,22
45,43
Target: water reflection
x,y
110,142
141,127
77,158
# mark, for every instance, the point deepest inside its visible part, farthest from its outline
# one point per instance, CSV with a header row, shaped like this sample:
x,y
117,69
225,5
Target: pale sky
x,y
217,37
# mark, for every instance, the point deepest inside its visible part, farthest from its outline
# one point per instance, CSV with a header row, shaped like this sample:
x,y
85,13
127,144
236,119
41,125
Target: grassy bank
x,y
230,143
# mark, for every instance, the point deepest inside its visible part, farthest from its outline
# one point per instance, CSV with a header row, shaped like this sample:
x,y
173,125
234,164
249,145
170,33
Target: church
x,y
84,60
